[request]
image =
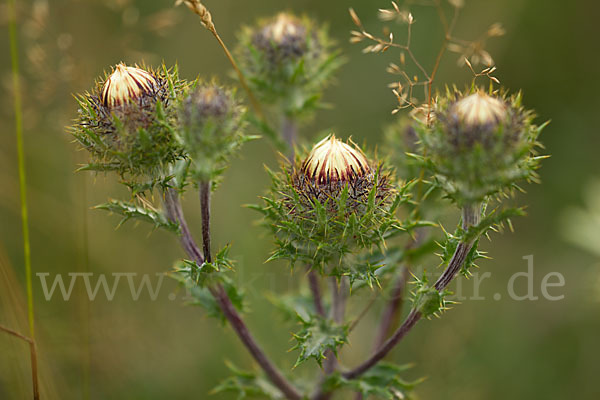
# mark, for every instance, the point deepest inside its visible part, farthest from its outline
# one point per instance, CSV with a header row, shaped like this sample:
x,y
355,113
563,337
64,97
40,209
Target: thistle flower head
x,y
288,61
334,167
283,27
126,84
330,203
479,143
282,38
126,120
480,109
332,160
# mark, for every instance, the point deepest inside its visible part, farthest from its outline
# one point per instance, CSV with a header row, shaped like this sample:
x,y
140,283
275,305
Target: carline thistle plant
x,y
353,220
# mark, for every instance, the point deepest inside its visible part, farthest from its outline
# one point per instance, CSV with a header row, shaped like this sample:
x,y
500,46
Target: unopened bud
x,y
206,102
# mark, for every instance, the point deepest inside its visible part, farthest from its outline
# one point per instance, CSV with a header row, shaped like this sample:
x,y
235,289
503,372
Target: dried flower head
x,y
332,160
480,109
335,171
126,84
479,118
333,167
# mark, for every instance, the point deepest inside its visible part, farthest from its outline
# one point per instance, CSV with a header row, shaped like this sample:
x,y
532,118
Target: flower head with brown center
x,y
126,84
332,160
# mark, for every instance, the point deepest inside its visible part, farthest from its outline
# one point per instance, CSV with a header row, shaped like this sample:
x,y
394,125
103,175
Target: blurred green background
x,y
125,349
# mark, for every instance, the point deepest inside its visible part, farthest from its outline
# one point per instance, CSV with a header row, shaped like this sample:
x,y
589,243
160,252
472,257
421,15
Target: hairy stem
x,y
34,363
175,213
471,215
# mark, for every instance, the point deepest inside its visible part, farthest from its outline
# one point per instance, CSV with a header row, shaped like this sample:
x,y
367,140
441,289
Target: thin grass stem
x,y
14,56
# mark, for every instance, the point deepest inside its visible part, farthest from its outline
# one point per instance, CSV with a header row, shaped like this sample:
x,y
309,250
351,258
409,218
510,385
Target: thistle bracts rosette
x,y
211,125
333,203
479,144
126,122
288,61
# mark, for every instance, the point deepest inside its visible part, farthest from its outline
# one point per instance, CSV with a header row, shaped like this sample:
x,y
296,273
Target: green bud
x,y
211,128
288,62
282,38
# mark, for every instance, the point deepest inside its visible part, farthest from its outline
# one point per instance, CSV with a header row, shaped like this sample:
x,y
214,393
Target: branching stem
x,y
218,291
471,215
